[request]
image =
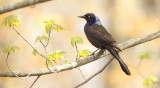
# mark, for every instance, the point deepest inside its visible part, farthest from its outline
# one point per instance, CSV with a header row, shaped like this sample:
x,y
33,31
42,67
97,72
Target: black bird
x,y
100,38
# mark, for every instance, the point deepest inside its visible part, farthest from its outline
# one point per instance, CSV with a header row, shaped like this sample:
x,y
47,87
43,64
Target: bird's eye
x,y
89,16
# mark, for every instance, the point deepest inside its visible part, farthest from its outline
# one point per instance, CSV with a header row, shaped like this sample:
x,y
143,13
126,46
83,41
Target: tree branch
x,y
98,72
82,61
22,4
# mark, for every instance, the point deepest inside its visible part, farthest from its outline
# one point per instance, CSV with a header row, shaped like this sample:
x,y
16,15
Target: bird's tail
x,y
122,64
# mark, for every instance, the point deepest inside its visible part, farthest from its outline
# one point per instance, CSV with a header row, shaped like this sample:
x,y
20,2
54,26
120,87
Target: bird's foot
x,y
94,53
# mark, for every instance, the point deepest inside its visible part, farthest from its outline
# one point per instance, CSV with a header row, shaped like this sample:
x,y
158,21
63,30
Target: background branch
x,y
22,4
83,61
98,72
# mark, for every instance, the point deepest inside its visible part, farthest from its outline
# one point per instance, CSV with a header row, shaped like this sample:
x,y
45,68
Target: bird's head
x,y
91,18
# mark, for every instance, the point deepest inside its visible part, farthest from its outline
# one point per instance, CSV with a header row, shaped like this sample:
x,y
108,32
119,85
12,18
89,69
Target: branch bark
x,y
22,4
82,61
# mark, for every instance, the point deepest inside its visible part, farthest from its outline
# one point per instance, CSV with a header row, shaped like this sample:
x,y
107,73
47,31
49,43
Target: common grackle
x,y
100,38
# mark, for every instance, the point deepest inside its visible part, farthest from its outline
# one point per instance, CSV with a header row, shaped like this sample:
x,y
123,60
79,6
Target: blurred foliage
x,y
76,40
41,38
84,53
67,61
149,81
10,49
12,20
146,56
50,25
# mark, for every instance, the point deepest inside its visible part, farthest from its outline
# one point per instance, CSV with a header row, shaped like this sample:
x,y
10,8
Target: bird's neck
x,y
96,21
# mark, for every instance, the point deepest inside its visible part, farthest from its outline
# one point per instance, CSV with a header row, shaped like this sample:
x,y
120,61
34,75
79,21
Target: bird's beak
x,y
81,17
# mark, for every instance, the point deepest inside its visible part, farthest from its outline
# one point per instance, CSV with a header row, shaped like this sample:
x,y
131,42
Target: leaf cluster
x,y
10,49
12,20
84,53
50,25
149,81
41,38
146,56
57,55
76,40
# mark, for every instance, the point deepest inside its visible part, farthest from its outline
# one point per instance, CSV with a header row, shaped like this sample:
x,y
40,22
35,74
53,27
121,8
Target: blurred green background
x,y
127,19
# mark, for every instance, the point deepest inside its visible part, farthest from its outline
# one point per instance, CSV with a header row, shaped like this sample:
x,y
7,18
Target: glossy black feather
x,y
100,38
122,64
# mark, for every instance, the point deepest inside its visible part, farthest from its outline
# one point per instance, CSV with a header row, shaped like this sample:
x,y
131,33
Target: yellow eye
x,y
89,16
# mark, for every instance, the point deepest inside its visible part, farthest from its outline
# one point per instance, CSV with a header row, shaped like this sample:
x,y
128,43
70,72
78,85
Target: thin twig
x,y
10,68
82,74
76,51
46,63
34,81
98,72
77,59
8,65
138,66
44,48
28,43
46,56
48,39
33,47
36,51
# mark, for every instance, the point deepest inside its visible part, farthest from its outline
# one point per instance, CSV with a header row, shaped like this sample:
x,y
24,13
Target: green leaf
x,y
58,28
145,56
76,40
50,25
50,56
10,49
12,20
57,55
149,81
41,38
34,52
84,53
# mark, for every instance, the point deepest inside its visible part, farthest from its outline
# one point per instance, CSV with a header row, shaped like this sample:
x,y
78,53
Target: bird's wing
x,y
100,33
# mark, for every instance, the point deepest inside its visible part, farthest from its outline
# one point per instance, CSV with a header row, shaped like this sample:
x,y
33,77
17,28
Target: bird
x,y
99,37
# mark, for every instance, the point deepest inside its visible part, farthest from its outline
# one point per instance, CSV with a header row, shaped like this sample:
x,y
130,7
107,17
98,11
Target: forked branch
x,y
82,61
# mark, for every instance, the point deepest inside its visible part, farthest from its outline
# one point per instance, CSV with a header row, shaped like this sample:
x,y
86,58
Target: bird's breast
x,y
92,39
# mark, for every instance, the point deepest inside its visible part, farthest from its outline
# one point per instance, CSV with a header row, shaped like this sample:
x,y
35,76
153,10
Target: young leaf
x,y
12,20
42,38
84,53
34,52
50,25
149,81
50,59
56,55
10,49
145,56
76,40
58,28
